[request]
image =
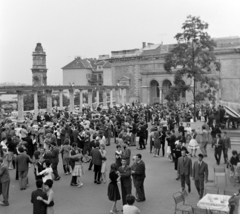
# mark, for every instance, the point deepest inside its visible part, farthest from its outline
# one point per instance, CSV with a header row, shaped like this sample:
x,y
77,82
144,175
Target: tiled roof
x,y
107,65
79,63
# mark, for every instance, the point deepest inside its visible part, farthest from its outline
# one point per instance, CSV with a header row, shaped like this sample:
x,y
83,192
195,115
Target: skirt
x,y
193,144
104,167
113,192
78,171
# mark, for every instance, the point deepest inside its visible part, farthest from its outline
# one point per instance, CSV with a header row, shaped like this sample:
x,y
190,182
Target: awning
x,y
231,112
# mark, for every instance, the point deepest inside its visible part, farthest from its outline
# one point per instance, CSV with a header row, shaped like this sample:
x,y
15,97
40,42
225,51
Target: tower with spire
x,y
39,70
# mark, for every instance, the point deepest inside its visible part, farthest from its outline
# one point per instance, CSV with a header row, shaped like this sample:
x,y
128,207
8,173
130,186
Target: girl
x,y
188,131
193,144
78,169
104,162
113,191
118,156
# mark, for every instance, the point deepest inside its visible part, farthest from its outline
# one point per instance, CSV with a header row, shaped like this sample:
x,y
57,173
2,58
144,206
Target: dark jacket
x,y
39,207
54,155
22,162
125,172
96,157
139,173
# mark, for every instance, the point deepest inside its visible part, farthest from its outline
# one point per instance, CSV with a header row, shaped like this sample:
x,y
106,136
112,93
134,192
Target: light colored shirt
x,y
130,209
48,172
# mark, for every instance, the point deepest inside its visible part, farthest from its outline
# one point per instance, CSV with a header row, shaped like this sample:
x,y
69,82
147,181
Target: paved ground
x,y
160,184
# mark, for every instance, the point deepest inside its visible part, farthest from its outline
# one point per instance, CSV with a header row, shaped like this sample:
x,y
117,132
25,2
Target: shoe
x,y
177,178
10,168
4,204
80,185
112,212
98,182
89,169
72,184
95,182
57,179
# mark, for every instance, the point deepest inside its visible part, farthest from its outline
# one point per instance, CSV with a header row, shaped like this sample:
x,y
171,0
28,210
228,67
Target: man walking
x,y
200,173
225,146
4,182
39,207
185,170
203,146
139,175
97,162
217,144
126,181
22,161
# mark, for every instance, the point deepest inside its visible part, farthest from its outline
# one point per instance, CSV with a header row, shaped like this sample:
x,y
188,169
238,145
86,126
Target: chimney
x,y
144,44
149,44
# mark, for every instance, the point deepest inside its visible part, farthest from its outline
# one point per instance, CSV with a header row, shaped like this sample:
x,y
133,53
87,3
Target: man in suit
x,y
185,170
215,129
225,146
172,140
55,160
199,174
126,181
139,175
4,182
217,144
39,207
97,162
22,161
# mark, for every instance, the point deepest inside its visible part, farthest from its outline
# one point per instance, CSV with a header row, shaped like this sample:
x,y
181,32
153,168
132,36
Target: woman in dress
x,y
193,144
50,194
47,173
65,150
118,156
104,162
113,191
78,168
157,144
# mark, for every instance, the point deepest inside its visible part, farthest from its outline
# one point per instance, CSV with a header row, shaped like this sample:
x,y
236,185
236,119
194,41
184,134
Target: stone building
x,y
142,69
39,69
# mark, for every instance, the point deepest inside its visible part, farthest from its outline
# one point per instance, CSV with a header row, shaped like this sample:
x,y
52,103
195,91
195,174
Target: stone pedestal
x,y
49,101
104,97
111,98
71,100
35,104
20,106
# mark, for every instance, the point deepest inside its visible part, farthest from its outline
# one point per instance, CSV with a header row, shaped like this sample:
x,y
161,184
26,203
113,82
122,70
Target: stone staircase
x,y
235,140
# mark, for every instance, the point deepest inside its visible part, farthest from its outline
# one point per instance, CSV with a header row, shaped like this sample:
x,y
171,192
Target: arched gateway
x,y
165,87
154,92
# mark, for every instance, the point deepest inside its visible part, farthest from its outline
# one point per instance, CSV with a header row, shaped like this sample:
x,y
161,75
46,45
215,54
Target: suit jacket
x,y
139,173
96,157
200,172
54,155
22,162
4,174
226,143
186,167
126,180
220,143
39,207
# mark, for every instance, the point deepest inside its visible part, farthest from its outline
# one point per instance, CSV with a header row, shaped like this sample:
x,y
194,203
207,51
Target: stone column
x,y
90,98
61,99
104,97
49,101
160,95
35,104
116,95
97,97
111,98
20,106
80,100
122,96
71,100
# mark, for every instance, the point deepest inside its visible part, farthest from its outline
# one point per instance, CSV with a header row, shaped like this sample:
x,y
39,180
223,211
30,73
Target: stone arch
x,y
166,84
154,91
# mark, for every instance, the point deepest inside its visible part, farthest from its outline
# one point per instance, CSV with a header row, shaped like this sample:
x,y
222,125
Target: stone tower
x,y
39,70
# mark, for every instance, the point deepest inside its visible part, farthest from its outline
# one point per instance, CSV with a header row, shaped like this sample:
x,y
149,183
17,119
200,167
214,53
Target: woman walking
x,y
65,150
113,191
118,156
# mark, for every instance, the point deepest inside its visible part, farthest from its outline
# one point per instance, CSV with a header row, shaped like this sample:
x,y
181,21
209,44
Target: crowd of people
x,y
74,138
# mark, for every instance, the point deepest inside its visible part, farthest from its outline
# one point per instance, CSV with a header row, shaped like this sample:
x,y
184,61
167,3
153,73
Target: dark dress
x,y
113,191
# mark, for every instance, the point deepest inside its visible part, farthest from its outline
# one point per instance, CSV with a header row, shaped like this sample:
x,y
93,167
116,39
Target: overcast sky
x,y
88,28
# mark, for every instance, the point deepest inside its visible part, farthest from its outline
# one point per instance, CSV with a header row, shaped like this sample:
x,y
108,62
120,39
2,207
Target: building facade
x,y
143,70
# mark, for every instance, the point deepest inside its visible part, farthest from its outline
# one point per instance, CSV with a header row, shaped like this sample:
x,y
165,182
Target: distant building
x,y
39,69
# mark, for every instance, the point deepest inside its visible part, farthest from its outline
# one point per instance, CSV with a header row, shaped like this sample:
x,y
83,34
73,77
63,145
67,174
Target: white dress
x,y
193,144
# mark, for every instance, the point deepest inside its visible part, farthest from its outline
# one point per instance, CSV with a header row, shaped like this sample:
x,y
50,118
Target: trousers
x,y
225,154
185,179
140,189
5,191
22,175
217,154
125,191
200,186
55,170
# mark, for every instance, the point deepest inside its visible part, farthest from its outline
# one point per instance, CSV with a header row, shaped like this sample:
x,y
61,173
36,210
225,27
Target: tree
x,y
193,57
